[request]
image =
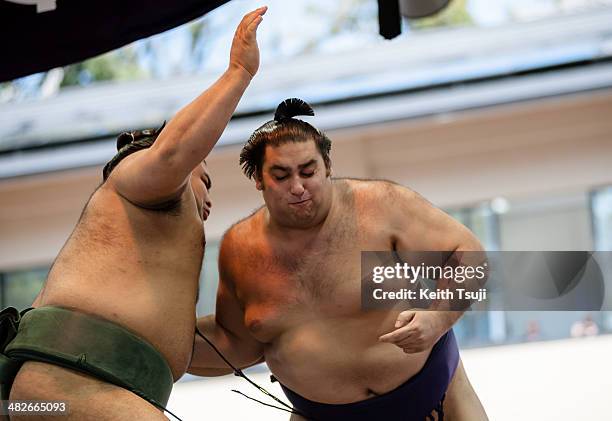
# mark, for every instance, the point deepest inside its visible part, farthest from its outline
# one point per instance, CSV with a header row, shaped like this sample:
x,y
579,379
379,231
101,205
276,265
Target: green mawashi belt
x,y
88,344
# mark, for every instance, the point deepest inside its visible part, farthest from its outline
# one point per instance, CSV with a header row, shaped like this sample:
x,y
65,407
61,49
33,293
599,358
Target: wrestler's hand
x,y
416,331
245,52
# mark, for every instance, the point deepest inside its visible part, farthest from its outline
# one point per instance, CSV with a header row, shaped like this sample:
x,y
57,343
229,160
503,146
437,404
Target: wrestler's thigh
x,y
87,397
461,402
296,417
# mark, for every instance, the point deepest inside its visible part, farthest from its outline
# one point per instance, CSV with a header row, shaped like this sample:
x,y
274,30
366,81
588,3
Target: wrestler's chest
x,y
282,293
285,300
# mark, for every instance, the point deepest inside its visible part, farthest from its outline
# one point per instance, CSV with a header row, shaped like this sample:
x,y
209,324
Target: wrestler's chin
x,y
304,216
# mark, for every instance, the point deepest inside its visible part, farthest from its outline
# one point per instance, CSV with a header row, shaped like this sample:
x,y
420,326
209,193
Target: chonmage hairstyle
x,y
284,128
128,143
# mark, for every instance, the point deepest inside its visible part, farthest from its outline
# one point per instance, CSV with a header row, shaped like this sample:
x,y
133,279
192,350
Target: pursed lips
x,y
300,202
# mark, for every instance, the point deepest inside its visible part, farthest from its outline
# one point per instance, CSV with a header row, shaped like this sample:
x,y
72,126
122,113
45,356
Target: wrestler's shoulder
x,y
374,188
244,229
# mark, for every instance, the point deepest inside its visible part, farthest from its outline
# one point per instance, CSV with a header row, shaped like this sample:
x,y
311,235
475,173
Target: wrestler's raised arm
x,y
418,226
225,329
160,173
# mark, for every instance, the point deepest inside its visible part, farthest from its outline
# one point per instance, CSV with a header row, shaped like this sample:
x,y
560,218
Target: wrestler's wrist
x,y
239,71
446,321
438,322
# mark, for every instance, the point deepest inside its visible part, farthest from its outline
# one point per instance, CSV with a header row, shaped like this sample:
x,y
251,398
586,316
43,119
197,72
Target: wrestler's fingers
x,y
415,346
410,335
412,350
388,337
248,27
397,335
253,26
251,16
246,21
404,318
412,342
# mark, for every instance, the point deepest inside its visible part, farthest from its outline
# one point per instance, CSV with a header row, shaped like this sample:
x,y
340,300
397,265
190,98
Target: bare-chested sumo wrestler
x,y
289,288
114,324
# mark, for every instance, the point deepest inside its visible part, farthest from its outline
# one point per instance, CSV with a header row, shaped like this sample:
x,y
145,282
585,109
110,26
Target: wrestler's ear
x,y
258,183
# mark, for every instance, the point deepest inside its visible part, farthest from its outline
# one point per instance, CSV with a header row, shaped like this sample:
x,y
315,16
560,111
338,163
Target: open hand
x,y
245,52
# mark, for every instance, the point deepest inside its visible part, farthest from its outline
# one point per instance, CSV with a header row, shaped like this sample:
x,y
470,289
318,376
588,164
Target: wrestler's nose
x,y
297,188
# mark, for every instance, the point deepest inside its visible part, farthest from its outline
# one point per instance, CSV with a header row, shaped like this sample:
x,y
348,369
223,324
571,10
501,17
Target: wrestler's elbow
x,y
472,254
469,242
209,372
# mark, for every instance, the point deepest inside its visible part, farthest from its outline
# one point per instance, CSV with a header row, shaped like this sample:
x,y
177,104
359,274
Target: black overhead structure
x,y
38,35
390,12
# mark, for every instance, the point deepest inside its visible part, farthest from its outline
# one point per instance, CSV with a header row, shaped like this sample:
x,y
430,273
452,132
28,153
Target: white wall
x,y
545,147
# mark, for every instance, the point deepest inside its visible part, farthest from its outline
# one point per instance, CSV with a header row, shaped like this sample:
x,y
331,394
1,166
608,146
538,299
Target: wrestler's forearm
x,y
215,372
195,129
239,353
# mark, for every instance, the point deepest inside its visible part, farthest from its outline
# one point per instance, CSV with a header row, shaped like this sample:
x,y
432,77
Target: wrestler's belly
x,y
163,316
87,398
340,361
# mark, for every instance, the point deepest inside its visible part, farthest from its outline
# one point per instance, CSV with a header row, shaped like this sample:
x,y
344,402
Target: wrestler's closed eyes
x,y
303,174
207,182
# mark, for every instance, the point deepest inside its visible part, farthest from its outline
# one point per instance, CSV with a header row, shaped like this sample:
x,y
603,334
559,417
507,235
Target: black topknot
x,y
292,107
126,138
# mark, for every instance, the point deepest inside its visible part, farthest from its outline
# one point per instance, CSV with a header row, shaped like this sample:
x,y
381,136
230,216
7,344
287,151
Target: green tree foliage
x,y
119,65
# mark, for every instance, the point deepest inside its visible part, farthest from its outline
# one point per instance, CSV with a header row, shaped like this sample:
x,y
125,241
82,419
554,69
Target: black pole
x,y
389,19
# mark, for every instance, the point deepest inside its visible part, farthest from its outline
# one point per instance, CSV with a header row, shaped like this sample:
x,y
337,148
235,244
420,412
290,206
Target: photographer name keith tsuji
x,y
428,294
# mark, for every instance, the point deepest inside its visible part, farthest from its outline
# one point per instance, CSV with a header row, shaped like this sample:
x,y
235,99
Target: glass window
x,y
546,222
19,289
478,328
601,212
209,279
601,207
